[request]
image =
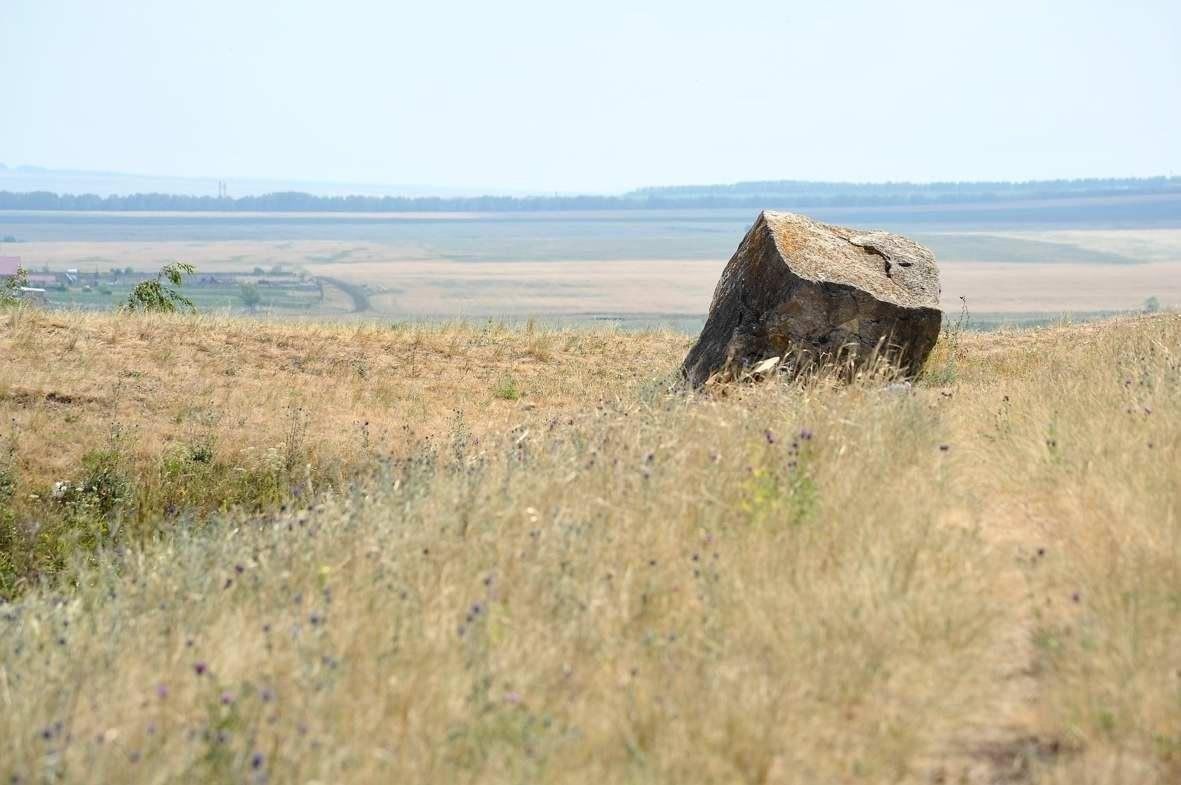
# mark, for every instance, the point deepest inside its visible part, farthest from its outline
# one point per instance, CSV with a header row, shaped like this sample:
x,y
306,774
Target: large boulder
x,y
811,292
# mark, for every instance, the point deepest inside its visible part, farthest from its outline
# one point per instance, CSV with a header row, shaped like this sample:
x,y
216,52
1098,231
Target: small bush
x,y
10,288
202,452
7,485
249,295
155,296
506,389
9,539
104,487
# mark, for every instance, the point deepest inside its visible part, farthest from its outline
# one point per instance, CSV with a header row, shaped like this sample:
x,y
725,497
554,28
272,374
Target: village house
x,y
43,279
8,266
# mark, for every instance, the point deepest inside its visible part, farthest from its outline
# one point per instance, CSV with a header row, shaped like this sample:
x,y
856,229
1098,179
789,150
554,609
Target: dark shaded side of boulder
x,y
813,292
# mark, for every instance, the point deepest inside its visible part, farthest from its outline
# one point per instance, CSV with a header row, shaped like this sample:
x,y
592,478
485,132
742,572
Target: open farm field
x,y
643,267
242,550
1136,245
407,283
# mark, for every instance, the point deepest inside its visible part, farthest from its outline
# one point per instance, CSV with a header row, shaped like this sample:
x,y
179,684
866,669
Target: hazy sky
x,y
599,95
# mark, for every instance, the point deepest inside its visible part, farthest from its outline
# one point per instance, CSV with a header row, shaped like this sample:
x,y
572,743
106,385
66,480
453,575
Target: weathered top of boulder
x,y
886,266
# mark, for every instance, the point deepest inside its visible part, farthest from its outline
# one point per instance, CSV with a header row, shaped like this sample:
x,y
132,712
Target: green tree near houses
x,y
250,296
159,296
10,287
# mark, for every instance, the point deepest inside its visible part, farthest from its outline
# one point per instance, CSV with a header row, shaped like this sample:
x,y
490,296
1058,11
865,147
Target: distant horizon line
x,y
420,191
769,194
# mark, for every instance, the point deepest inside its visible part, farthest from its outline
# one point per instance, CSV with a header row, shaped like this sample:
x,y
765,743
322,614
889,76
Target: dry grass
x,y
976,579
68,376
270,409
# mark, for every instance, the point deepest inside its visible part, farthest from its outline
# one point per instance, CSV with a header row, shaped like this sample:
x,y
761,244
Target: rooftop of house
x,y
9,265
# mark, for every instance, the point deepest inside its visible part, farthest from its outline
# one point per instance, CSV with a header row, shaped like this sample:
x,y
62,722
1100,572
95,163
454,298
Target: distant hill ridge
x,y
936,191
789,194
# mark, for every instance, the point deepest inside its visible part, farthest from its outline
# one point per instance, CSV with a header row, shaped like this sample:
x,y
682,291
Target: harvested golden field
x,y
541,561
414,279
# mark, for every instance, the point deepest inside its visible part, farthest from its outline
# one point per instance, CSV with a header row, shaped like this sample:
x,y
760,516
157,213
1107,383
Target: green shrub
x,y
7,486
104,487
155,296
249,295
506,389
10,287
7,517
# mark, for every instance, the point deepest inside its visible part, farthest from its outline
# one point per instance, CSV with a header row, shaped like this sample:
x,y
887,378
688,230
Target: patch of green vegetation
x,y
107,503
7,520
157,296
227,295
10,288
249,295
507,389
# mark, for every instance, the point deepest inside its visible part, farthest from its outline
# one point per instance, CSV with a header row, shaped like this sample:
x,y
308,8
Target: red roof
x,y
8,264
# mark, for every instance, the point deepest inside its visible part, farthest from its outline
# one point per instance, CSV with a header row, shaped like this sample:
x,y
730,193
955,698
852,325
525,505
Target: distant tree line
x,y
905,192
778,193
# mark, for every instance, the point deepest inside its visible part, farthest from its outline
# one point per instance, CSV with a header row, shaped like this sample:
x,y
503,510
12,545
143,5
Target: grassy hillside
x,y
176,416
377,554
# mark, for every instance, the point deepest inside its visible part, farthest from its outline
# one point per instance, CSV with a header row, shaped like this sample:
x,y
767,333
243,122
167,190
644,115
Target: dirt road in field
x,y
1000,745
